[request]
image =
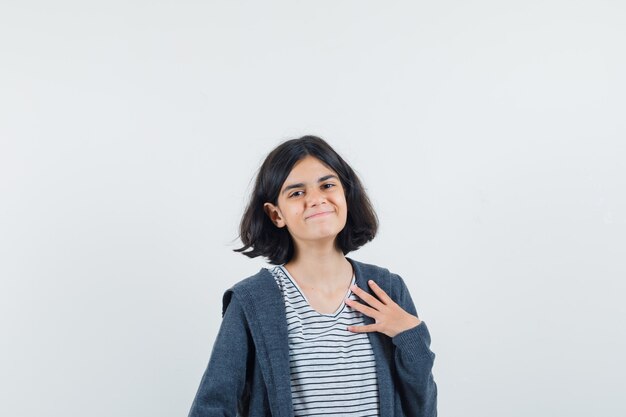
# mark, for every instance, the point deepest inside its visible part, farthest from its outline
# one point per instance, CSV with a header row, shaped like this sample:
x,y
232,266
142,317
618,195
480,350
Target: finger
x,y
365,296
363,329
382,295
368,311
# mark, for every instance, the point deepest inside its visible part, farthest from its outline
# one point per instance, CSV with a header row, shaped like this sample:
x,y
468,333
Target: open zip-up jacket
x,y
248,373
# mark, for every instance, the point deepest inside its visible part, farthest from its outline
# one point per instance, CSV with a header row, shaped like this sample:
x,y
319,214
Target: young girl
x,y
319,333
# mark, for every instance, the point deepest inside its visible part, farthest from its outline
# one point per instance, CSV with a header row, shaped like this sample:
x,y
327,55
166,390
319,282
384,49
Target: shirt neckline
x,y
337,311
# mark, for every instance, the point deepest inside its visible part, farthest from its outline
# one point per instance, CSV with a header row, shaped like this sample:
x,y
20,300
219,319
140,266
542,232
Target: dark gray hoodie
x,y
248,372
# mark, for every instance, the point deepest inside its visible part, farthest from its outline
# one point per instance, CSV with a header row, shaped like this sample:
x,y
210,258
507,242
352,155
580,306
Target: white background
x,y
489,134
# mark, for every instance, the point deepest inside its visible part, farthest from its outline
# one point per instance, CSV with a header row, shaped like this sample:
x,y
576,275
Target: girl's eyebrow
x,y
301,184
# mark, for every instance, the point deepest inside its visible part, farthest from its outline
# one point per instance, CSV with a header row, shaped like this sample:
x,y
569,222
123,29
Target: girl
x,y
318,333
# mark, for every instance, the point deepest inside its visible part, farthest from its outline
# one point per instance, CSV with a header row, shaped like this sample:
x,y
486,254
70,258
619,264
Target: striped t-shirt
x,y
333,370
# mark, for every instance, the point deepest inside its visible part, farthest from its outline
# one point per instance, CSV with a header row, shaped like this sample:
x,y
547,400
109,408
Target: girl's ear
x,y
274,214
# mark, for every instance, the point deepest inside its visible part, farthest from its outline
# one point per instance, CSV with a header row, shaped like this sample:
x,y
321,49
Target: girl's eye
x,y
295,193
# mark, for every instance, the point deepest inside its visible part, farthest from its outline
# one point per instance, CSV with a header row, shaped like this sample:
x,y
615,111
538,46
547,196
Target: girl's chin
x,y
320,236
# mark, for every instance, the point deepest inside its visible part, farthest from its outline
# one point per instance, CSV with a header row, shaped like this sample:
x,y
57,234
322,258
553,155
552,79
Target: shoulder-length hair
x,y
264,238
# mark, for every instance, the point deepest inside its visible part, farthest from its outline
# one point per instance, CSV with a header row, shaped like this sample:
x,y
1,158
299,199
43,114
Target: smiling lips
x,y
321,213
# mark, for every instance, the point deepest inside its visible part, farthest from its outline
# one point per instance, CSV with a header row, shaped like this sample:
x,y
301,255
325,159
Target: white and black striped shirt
x,y
333,370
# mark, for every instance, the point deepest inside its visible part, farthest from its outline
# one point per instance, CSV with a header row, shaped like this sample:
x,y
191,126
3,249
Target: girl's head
x,y
300,178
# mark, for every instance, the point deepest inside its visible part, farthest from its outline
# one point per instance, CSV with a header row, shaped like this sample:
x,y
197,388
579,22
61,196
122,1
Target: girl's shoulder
x,y
390,282
258,286
257,282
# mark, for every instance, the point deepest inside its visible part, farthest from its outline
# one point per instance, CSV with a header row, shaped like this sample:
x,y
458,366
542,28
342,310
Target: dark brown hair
x,y
263,238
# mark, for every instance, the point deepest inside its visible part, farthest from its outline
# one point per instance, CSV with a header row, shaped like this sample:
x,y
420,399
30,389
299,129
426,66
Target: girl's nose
x,y
315,197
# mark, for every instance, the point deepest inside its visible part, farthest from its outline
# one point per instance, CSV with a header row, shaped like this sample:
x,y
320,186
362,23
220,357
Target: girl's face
x,y
311,203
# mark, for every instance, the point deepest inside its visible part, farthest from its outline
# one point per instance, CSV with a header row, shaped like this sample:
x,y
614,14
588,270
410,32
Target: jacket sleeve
x,y
413,362
223,384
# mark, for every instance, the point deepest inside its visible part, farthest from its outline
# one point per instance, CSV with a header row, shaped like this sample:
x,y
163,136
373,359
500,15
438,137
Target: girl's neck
x,y
324,271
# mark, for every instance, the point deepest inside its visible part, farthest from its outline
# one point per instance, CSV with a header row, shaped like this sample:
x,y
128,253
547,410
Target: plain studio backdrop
x,y
490,135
